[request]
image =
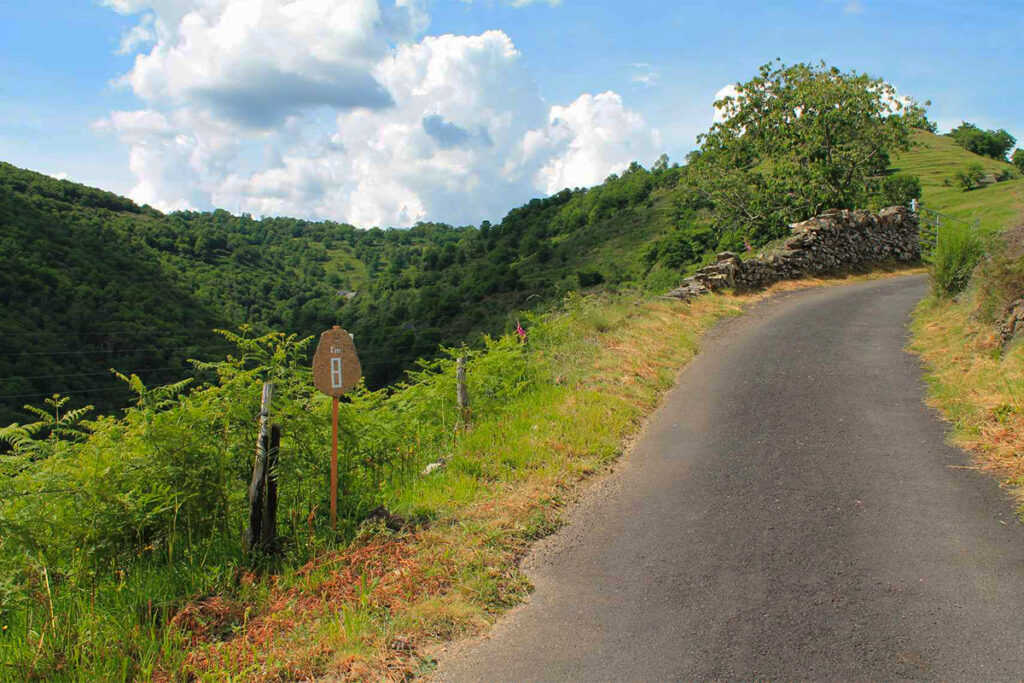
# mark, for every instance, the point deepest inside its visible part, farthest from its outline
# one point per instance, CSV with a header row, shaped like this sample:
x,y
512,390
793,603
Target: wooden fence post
x,y
268,530
461,392
259,472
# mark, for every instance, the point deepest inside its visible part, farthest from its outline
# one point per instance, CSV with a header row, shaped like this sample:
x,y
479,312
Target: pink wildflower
x,y
520,331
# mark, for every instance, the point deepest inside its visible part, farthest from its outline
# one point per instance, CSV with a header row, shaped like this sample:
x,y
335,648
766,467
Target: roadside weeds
x,y
374,610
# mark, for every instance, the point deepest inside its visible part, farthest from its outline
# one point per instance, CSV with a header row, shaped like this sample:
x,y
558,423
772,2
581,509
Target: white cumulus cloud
x,y
592,137
337,109
723,92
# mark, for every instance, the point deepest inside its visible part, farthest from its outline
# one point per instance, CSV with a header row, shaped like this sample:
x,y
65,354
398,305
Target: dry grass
x,y
835,280
976,386
375,610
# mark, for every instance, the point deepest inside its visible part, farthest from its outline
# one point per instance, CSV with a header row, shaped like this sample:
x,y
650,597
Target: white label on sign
x,y
336,373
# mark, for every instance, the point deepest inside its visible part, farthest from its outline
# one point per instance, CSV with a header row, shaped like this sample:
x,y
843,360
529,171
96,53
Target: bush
x,y
1018,159
957,253
130,517
900,189
969,176
589,278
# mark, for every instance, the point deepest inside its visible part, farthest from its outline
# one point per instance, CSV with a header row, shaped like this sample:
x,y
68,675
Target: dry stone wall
x,y
834,242
1012,321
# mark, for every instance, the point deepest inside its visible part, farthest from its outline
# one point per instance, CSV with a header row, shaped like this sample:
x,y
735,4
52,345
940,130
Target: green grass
x,y
506,482
935,158
958,252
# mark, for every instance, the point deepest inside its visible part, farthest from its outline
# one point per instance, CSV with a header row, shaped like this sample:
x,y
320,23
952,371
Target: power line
x,y
125,330
90,374
70,393
385,349
112,389
113,351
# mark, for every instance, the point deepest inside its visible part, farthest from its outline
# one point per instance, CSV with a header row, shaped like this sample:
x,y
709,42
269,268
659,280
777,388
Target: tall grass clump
x,y
958,251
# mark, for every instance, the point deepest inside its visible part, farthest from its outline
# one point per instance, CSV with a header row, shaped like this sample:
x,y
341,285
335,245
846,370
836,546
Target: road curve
x,y
791,512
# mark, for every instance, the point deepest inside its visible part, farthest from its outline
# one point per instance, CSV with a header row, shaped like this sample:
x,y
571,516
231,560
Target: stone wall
x,y
837,241
1011,323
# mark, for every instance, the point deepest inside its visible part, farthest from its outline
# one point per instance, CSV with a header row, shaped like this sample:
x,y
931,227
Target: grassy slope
x,y
363,612
345,263
935,158
976,385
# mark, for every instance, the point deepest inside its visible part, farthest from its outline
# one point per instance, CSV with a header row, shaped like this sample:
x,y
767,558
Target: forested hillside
x,y
92,282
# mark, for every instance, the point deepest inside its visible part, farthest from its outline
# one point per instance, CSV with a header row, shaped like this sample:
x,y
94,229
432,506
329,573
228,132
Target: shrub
x,y
900,189
1018,159
129,517
589,278
969,176
957,253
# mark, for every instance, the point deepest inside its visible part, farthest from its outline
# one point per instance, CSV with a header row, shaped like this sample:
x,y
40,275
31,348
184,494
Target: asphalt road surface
x,y
791,512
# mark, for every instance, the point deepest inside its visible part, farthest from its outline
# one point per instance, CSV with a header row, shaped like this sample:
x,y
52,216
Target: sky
x,y
389,112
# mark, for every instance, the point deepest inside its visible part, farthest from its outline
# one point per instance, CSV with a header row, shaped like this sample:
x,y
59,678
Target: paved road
x,y
792,511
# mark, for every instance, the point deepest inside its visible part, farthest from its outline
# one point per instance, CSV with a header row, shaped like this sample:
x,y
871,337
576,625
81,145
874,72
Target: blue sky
x,y
538,95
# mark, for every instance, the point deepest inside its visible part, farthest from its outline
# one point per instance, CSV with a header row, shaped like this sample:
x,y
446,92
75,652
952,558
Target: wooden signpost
x,y
336,370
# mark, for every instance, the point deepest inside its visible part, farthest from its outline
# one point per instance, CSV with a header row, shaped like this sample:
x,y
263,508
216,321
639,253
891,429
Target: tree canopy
x,y
796,140
989,143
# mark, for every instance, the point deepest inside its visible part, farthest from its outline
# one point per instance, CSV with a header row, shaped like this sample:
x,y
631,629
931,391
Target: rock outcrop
x,y
835,242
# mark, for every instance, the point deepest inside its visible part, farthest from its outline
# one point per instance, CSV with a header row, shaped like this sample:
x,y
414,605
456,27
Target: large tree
x,y
796,140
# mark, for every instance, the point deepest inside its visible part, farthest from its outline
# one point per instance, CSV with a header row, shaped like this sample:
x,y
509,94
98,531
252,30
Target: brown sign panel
x,y
336,366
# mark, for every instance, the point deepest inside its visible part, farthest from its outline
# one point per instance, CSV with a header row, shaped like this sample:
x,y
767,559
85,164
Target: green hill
x,y
92,281
935,158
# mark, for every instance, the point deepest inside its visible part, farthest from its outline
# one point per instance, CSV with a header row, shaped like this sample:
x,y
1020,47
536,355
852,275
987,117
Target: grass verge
x,y
973,380
976,386
368,612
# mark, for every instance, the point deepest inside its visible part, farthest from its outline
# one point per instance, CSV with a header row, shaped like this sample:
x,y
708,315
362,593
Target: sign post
x,y
336,370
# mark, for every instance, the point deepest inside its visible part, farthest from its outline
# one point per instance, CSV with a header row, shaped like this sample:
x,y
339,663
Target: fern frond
x,y
45,416
15,436
172,390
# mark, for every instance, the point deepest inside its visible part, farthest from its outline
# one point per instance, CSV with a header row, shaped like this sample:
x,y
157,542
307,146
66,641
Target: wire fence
x,y
120,388
930,225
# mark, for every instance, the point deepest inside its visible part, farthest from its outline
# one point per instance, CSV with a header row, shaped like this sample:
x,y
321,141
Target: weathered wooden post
x,y
336,369
461,392
268,531
259,472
